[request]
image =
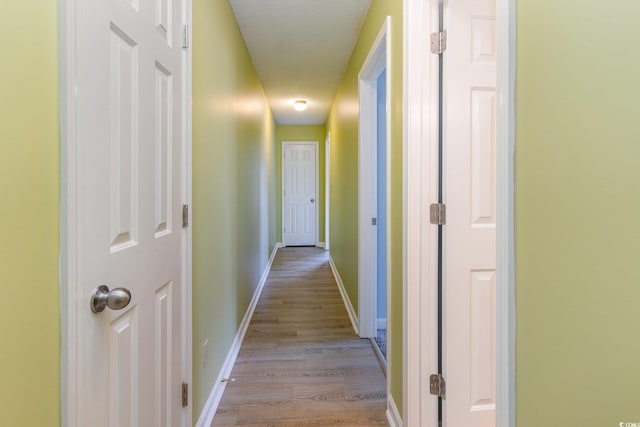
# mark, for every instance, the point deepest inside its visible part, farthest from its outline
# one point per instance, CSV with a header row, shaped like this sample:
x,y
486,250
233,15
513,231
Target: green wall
x,y
29,186
233,187
343,125
578,204
302,133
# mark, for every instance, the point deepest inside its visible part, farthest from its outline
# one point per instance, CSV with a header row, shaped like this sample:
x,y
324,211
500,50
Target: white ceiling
x,y
300,49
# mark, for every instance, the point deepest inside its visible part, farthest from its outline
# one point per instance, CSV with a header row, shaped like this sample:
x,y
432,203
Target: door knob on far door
x,y
116,299
313,200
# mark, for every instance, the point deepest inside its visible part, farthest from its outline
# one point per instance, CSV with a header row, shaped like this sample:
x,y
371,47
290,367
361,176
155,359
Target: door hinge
x,y
438,42
185,216
438,213
374,221
437,386
185,36
185,395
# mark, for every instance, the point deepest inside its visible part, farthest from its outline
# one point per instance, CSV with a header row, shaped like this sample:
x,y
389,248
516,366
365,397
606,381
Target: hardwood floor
x,y
301,362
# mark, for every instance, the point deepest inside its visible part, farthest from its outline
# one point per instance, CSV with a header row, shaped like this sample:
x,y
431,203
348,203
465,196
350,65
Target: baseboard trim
x,y
379,356
320,245
211,406
345,298
393,415
381,324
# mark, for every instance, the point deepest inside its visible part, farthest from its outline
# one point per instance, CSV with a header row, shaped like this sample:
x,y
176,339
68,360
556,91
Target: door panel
x,y
123,370
470,189
163,149
299,194
482,346
164,342
131,187
483,167
124,139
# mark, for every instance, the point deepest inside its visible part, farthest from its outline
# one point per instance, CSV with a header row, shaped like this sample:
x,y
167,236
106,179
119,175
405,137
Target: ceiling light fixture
x,y
300,105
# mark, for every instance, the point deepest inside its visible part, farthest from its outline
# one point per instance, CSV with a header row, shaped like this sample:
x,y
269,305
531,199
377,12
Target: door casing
x,y
70,290
327,187
419,236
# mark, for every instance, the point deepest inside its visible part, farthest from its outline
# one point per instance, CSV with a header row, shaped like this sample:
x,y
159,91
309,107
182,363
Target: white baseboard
x,y
211,406
345,298
381,324
393,416
320,245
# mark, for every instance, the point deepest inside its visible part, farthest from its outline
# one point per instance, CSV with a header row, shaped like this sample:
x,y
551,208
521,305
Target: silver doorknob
x,y
313,200
116,299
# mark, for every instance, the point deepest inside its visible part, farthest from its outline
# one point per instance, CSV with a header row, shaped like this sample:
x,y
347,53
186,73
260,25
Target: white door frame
x,y
376,62
327,186
317,203
419,237
70,290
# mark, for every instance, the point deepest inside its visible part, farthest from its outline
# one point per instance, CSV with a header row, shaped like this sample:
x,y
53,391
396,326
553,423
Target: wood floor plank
x,y
301,363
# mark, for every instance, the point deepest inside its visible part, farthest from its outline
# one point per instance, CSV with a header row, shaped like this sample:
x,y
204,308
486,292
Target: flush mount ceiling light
x,y
300,105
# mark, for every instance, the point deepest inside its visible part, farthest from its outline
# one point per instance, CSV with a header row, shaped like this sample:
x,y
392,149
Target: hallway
x,y
301,362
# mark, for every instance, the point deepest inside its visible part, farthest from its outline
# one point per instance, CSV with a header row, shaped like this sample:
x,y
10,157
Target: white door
x,y
470,231
299,193
130,190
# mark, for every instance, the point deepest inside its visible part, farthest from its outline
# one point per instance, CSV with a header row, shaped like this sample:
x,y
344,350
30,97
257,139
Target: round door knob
x,y
116,299
313,200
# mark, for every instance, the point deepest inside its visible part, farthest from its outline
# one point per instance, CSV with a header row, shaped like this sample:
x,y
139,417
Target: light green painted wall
x,y
343,125
577,210
302,133
233,183
29,187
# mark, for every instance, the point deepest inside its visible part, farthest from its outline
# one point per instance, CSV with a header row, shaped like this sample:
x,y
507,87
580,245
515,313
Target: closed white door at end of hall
x,y
299,194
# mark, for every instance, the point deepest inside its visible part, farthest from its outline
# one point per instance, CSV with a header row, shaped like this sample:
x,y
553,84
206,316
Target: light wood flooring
x,y
301,362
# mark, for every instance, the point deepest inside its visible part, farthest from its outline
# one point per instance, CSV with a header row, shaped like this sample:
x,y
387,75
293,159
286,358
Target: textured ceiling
x,y
300,49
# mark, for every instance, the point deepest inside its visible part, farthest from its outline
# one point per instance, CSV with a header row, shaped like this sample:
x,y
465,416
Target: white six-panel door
x,y
130,192
299,188
470,196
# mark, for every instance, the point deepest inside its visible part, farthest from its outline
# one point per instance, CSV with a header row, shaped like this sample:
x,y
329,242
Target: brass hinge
x,y
437,385
185,395
438,42
185,216
438,213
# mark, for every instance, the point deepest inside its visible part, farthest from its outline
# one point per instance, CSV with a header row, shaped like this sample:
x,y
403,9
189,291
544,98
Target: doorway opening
x,y
373,201
380,338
